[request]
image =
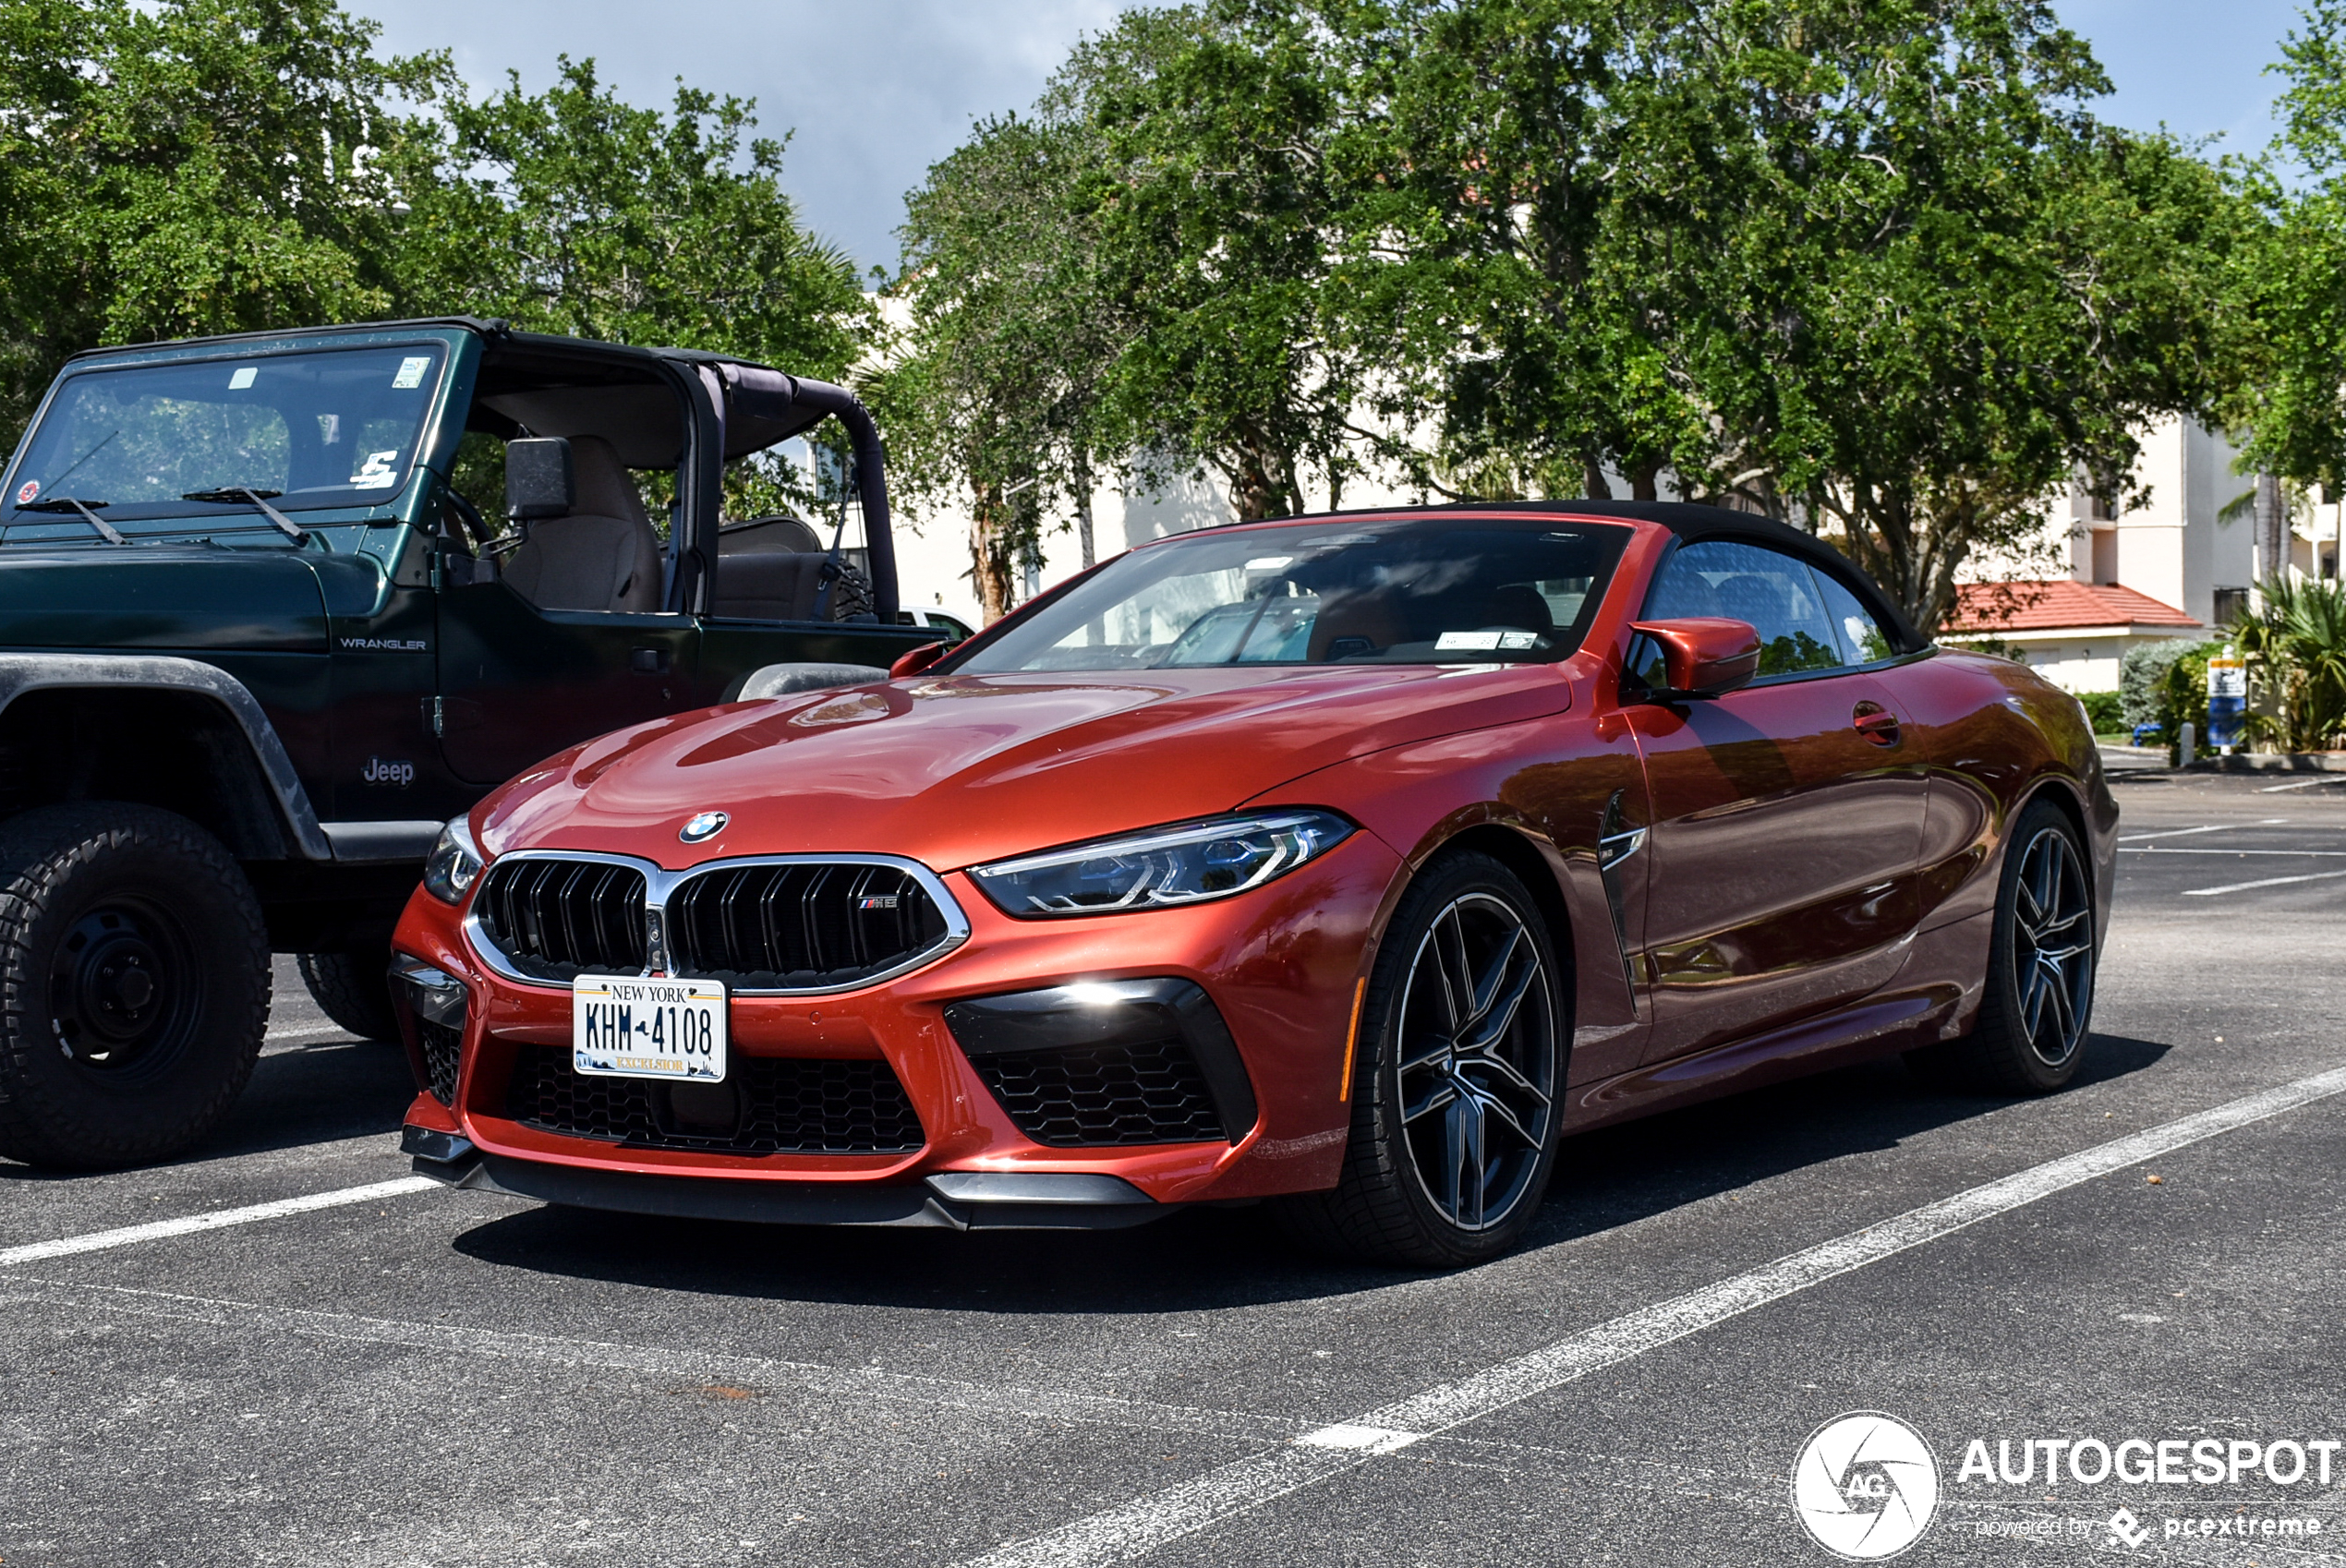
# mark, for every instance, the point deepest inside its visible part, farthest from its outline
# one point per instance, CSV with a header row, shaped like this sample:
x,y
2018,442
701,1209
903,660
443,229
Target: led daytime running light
x,y
1181,863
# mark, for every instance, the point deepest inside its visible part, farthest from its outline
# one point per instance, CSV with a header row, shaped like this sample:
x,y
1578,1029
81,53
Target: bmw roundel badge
x,y
707,825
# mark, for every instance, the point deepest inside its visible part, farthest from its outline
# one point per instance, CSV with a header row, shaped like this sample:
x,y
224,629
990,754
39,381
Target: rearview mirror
x,y
538,480
1703,656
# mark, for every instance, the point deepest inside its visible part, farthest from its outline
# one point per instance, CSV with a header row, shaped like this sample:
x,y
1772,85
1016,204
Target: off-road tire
x,y
1381,1210
2002,1054
66,873
354,990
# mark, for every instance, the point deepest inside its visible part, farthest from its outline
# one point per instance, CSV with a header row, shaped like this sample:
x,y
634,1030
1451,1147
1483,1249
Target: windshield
x,y
1416,590
336,427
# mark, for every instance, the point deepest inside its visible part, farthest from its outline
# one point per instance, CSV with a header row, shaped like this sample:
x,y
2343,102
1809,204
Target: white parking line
x,y
306,1030
2163,850
2300,784
255,1322
157,1230
1153,1520
2262,882
2211,828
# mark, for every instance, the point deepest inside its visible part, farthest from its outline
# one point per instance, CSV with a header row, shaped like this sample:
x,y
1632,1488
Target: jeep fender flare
x,y
24,672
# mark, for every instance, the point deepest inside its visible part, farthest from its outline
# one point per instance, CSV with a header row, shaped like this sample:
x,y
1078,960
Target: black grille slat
x,y
788,1105
554,920
1105,1095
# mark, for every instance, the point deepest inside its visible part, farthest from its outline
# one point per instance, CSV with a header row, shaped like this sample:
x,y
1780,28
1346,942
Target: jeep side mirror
x,y
1703,656
538,480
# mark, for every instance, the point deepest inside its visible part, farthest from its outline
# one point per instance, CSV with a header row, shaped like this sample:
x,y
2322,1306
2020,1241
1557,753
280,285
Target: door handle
x,y
1876,723
649,661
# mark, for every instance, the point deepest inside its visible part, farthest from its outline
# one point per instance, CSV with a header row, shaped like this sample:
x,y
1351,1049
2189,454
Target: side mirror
x,y
1703,656
539,478
920,658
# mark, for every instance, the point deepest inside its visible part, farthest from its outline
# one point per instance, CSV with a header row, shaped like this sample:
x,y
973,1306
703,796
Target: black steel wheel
x,y
1458,1094
134,984
2036,1007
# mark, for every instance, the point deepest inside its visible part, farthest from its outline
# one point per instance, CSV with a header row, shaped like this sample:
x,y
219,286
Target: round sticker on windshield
x,y
26,491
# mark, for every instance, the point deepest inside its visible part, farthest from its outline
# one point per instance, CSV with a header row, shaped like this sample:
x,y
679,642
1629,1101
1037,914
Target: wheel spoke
x,y
1492,1105
1486,990
1494,1025
1467,1160
1514,1079
1444,1091
1450,960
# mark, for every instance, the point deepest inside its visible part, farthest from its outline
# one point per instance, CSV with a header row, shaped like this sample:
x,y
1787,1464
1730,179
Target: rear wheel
x,y
354,990
1458,1088
134,984
2039,999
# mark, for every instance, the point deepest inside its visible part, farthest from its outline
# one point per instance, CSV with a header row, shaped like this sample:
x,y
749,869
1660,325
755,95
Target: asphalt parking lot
x,y
427,1378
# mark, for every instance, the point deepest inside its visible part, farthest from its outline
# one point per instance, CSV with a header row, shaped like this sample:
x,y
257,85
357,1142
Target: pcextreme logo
x,y
1864,1486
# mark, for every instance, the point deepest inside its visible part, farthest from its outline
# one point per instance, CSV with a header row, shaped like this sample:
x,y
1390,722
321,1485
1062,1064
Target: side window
x,y
1863,638
1775,593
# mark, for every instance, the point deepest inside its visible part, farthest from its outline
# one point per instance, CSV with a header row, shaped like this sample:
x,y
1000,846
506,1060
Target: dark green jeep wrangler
x,y
256,647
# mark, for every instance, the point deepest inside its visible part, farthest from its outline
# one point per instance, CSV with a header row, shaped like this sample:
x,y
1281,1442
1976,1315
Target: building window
x,y
2231,605
2105,566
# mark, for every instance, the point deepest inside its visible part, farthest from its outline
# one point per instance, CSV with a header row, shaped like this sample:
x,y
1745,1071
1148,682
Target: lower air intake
x,y
1105,1094
766,1105
443,1047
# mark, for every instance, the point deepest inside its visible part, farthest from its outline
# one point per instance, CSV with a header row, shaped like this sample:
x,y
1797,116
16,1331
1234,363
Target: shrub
x,y
2104,711
2139,673
2183,699
2295,646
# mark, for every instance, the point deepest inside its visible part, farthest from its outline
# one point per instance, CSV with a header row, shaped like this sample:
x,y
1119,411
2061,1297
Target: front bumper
x,y
1275,970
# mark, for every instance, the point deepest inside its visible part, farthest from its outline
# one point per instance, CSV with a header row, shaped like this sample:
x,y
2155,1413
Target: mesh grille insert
x,y
766,1105
1105,1095
443,1047
555,919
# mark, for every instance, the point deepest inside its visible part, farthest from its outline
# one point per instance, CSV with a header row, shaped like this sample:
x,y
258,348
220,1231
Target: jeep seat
x,y
603,556
770,584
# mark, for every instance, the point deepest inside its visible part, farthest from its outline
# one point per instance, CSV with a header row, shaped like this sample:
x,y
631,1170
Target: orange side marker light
x,y
1351,1039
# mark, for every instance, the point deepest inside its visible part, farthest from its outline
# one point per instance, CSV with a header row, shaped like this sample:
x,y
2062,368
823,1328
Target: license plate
x,y
637,1027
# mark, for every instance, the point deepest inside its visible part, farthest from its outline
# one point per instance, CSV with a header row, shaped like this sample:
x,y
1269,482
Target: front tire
x,y
352,990
134,984
2038,1003
1458,1086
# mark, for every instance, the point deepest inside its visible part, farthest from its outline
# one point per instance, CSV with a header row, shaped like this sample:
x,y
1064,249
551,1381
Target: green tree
x,y
192,167
1215,204
992,397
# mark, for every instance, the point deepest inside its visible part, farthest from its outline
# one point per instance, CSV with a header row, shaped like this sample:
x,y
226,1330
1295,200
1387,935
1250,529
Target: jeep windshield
x,y
334,428
1328,591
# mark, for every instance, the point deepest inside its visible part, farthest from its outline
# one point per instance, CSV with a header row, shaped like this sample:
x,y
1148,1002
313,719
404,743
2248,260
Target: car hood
x,y
962,769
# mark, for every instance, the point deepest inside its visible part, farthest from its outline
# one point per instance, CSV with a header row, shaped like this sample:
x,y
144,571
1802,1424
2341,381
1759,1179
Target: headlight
x,y
1186,863
455,865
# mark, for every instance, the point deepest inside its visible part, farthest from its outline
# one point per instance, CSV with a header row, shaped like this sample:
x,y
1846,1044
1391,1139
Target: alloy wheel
x,y
2053,946
1477,1060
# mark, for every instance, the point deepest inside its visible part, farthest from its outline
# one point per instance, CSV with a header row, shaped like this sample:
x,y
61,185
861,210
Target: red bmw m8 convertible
x,y
1348,861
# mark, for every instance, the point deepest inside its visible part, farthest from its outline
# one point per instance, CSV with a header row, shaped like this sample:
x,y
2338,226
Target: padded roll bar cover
x,y
782,680
781,402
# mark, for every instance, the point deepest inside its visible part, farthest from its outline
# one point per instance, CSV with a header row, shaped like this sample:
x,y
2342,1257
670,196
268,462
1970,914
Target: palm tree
x,y
2296,647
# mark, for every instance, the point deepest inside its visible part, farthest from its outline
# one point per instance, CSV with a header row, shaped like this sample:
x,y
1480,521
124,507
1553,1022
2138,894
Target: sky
x,y
874,91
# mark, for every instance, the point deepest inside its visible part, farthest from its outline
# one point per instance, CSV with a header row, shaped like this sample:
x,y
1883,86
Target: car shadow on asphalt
x,y
320,1092
1220,1258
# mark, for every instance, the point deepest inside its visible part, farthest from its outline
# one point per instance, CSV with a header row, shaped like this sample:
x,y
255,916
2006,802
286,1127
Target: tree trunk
x,y
1592,485
990,564
1642,486
2272,529
1083,510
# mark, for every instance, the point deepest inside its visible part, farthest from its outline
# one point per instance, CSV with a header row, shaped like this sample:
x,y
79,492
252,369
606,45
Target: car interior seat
x,y
1518,605
602,556
1351,624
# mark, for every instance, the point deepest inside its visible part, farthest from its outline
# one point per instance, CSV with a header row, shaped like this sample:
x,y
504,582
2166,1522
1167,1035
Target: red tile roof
x,y
2048,606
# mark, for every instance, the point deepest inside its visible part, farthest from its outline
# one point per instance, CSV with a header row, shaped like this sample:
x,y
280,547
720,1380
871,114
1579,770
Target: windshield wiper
x,y
228,495
67,503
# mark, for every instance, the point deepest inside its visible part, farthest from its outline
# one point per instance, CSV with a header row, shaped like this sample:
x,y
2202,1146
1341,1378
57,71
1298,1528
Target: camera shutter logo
x,y
1864,1486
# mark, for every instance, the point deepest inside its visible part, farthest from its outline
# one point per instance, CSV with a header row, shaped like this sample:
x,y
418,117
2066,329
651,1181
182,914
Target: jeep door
x,y
1787,816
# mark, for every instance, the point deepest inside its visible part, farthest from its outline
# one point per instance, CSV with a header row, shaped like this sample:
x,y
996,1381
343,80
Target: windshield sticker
x,y
26,491
243,377
1270,563
411,372
376,473
1455,641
